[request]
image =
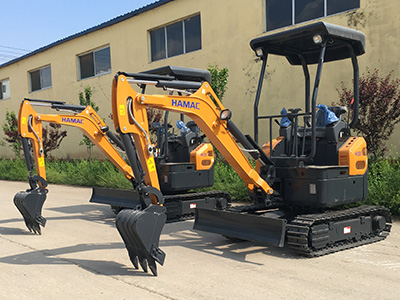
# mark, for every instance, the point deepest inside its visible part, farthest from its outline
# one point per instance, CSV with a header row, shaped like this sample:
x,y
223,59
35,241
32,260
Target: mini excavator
x,y
301,181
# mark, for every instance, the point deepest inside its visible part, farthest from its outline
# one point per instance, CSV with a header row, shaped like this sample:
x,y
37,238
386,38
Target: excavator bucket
x,y
140,231
29,204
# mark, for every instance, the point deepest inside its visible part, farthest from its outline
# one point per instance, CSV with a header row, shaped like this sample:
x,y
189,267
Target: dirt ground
x,y
80,255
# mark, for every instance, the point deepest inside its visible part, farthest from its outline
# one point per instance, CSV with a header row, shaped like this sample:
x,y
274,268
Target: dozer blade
x,y
140,231
29,204
115,197
257,228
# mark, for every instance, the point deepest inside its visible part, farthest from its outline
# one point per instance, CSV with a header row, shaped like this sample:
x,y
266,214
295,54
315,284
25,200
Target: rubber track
x,y
298,230
194,196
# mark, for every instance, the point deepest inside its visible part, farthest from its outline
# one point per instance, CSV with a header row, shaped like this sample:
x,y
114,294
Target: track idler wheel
x,y
30,204
140,231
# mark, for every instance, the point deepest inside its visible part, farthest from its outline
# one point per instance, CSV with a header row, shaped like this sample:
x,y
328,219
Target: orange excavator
x,y
302,178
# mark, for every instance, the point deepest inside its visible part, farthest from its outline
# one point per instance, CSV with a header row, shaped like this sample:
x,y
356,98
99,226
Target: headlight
x,y
225,115
317,39
259,52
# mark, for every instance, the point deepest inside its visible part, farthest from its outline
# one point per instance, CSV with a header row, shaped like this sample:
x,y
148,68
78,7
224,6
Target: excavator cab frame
x,y
316,43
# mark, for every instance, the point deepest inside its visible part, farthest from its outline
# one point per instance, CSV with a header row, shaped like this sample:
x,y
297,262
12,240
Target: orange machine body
x,y
353,153
203,156
203,107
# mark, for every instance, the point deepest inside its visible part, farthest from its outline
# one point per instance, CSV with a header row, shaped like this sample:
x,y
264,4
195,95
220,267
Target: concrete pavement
x,y
80,255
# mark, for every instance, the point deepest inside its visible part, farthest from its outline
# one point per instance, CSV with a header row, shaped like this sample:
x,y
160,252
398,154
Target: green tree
x,y
85,99
52,138
379,108
10,129
52,135
219,80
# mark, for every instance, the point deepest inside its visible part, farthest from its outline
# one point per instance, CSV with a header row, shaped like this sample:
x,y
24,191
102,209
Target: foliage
x,y
52,138
226,179
384,183
154,117
79,172
85,99
219,80
383,178
13,169
379,108
10,129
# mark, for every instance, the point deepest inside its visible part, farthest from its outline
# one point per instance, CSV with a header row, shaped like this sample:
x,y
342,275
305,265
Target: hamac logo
x,y
72,120
185,104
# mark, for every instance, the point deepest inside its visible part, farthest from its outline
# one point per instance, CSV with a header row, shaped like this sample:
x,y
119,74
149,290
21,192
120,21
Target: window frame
x,y
9,89
293,14
184,37
94,63
40,78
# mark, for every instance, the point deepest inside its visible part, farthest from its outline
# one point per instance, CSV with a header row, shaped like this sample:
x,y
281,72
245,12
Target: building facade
x,y
197,34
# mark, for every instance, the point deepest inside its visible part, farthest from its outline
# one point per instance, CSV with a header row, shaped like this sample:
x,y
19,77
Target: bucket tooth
x,y
140,230
135,262
30,204
143,264
153,269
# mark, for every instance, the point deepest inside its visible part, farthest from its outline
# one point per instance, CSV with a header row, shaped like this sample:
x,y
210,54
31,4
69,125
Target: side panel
x,y
353,153
322,187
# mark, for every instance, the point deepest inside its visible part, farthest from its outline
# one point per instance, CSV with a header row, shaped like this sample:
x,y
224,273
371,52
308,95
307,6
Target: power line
x,y
11,52
14,48
8,56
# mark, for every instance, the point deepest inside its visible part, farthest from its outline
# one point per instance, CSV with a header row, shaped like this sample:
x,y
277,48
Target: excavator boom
x,y
202,106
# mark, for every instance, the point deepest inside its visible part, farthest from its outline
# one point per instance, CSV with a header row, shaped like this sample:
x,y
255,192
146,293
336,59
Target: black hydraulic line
x,y
166,134
239,135
356,78
27,155
45,101
116,140
248,143
258,94
146,76
132,157
68,107
178,84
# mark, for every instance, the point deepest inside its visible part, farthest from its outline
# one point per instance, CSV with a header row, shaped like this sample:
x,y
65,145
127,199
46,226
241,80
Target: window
x,y
95,63
177,38
4,89
281,13
40,79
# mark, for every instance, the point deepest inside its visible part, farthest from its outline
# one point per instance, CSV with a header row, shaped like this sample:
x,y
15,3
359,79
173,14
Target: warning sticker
x,y
151,164
23,120
41,161
193,206
347,230
122,110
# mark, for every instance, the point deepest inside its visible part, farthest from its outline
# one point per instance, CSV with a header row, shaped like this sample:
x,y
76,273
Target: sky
x,y
28,25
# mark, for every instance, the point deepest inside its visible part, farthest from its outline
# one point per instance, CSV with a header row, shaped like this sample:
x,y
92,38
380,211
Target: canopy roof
x,y
299,41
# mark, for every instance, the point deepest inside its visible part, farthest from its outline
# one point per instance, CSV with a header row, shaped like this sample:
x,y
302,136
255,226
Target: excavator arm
x,y
84,118
30,202
203,107
141,229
